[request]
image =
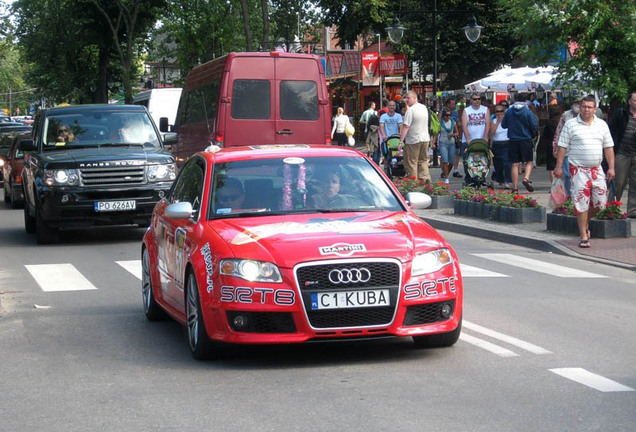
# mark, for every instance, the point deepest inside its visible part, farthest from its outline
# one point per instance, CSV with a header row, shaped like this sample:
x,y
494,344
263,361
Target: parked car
x,y
12,172
92,165
253,98
288,244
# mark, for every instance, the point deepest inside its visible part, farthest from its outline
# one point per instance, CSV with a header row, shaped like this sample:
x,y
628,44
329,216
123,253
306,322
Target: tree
x,y
129,22
600,34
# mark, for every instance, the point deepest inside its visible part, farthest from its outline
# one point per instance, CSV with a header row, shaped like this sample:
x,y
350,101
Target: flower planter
x,y
599,228
441,201
610,228
499,213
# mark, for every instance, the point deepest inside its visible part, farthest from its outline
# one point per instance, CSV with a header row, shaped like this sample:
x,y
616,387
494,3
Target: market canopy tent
x,y
524,79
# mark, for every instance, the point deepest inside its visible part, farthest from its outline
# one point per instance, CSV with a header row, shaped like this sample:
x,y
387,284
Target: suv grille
x,y
316,279
107,176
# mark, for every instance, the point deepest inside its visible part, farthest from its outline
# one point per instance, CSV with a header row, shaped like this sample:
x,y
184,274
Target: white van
x,y
163,102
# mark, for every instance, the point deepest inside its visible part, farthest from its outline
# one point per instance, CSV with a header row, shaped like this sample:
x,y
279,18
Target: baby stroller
x,y
478,160
393,160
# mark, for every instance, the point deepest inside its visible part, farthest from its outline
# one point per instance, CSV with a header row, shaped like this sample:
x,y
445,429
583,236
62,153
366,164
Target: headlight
x,y
64,177
431,262
255,271
165,172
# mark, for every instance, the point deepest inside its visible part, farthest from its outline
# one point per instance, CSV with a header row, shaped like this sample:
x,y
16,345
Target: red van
x,y
251,98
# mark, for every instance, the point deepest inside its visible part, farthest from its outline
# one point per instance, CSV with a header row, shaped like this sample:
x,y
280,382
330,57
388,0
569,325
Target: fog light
x,y
65,198
446,310
161,194
240,322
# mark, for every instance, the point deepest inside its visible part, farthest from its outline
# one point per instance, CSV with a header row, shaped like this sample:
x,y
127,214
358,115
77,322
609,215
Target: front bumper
x,y
75,207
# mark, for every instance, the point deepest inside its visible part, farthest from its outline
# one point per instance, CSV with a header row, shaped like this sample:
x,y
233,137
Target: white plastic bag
x,y
558,194
351,141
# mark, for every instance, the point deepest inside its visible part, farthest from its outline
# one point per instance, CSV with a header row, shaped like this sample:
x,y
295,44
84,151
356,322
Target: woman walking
x,y
499,146
338,134
446,142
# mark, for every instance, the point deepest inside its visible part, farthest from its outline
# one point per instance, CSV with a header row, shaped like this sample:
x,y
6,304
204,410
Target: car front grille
x,y
427,313
117,175
315,278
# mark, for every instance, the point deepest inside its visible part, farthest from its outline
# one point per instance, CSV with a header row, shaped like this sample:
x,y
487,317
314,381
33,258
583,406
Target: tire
x,y
201,346
439,340
29,221
153,311
43,233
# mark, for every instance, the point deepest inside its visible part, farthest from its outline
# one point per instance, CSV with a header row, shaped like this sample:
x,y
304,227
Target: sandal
x,y
527,184
514,191
585,244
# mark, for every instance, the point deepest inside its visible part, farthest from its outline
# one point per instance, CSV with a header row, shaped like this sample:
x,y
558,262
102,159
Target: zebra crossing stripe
x,y
470,271
539,266
495,349
59,277
133,266
592,380
505,338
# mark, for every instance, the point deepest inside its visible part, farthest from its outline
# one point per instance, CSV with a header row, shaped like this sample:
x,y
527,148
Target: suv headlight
x,y
163,172
61,177
254,271
430,262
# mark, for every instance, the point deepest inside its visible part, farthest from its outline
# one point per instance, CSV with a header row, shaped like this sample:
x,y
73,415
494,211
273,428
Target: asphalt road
x,y
542,349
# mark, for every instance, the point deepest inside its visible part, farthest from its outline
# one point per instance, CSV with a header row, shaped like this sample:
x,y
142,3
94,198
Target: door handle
x,y
285,132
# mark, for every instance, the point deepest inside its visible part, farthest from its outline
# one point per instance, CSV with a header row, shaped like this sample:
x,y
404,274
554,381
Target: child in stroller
x,y
478,160
393,160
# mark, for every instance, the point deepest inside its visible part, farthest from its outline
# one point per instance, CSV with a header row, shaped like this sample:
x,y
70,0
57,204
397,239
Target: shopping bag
x,y
558,194
351,141
349,129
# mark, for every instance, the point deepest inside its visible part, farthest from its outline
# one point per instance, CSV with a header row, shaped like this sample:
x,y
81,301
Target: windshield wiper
x,y
120,145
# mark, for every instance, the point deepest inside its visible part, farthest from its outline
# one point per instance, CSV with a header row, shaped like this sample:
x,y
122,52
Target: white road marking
x,y
59,277
590,379
505,338
133,266
539,266
470,271
496,349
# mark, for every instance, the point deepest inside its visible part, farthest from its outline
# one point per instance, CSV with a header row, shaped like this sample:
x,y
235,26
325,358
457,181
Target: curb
x,y
524,241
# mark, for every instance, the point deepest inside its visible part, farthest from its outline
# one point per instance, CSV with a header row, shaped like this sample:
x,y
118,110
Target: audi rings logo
x,y
346,276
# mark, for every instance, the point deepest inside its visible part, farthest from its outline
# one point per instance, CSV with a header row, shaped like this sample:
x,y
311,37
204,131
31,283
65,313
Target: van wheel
x,y
43,233
29,221
201,346
151,308
439,340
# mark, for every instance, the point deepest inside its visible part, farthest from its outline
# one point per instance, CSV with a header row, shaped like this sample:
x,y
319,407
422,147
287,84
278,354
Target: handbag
x,y
349,129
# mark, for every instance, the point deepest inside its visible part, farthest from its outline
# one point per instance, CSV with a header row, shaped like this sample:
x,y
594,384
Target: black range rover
x,y
92,165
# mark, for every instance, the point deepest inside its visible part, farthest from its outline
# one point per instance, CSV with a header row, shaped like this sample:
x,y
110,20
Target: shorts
x,y
588,188
520,151
447,151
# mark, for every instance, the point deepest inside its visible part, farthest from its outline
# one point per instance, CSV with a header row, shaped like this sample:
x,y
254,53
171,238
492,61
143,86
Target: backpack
x,y
434,126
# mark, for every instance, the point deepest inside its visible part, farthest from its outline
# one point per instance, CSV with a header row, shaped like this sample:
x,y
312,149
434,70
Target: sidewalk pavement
x,y
619,252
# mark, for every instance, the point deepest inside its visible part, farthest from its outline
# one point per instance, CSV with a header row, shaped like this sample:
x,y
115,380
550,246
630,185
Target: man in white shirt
x,y
585,139
475,125
414,138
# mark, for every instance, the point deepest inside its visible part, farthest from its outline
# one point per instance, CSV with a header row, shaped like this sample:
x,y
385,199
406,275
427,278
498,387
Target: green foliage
x,y
600,33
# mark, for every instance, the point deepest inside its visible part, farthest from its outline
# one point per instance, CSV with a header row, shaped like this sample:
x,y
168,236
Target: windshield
x,y
299,185
95,129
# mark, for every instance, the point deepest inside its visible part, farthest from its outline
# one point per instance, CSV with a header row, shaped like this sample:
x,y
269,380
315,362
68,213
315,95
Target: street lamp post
x,y
378,67
396,31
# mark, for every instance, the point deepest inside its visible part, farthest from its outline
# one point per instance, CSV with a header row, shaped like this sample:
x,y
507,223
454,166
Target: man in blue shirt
x,y
390,122
521,123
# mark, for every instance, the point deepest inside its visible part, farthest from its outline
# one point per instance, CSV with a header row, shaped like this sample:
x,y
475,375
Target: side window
x,y
194,110
298,100
211,94
251,99
188,187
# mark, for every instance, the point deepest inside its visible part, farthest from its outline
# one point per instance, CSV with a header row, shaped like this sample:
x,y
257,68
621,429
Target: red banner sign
x,y
370,75
394,64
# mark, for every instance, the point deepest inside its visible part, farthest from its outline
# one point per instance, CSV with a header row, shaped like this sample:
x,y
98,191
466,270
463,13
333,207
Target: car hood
x,y
104,154
287,240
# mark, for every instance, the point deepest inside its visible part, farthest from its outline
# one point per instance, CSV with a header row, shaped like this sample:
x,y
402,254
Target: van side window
x,y
298,100
211,94
251,99
194,110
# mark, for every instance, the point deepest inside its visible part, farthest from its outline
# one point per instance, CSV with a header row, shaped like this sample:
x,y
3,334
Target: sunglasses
x,y
477,99
446,115
63,130
499,111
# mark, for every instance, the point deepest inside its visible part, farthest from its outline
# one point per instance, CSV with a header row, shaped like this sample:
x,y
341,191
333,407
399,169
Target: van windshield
x,y
97,129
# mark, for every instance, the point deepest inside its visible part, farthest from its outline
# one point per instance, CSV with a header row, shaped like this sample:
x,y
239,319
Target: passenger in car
x,y
229,196
64,134
327,194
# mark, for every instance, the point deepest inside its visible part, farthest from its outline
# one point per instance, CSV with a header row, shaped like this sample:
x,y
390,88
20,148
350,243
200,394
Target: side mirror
x,y
180,210
27,145
170,138
418,200
163,124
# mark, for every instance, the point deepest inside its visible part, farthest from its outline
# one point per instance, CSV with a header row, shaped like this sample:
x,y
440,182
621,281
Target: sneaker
x,y
442,175
447,181
457,174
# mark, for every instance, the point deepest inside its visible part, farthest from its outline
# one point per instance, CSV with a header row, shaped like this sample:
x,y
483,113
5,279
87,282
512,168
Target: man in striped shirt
x,y
585,139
